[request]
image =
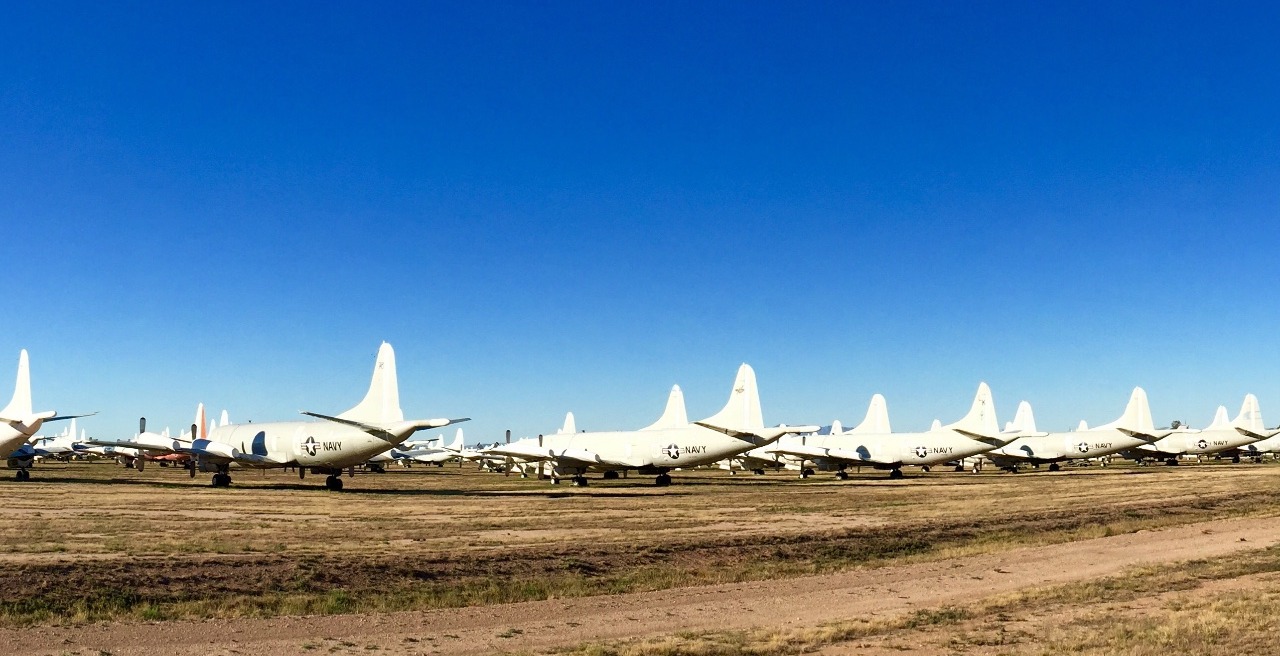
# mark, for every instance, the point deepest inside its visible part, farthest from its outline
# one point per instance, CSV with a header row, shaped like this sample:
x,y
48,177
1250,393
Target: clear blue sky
x,y
571,206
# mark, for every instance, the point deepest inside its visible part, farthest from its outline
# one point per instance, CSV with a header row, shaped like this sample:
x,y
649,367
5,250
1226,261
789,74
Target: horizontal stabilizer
x,y
1147,436
1258,435
992,440
392,432
760,436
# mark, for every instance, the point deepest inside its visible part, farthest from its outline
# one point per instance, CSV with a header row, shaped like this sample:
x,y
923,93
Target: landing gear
x,y
960,468
333,483
1171,462
23,475
758,472
1235,460
302,473
977,467
138,463
842,475
377,468
663,480
579,481
611,475
555,481
925,469
222,479
895,473
191,468
1053,466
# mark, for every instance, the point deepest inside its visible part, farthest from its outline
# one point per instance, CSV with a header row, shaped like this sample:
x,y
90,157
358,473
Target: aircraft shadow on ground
x,y
637,490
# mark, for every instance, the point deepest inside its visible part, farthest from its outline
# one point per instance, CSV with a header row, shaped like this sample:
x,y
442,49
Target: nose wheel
x,y
23,475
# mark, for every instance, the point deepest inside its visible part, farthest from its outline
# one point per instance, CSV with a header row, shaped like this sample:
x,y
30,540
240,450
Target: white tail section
x,y
224,419
1082,426
1137,415
1023,422
20,405
742,412
936,425
674,416
982,415
1220,418
877,420
837,428
200,423
1250,417
381,404
570,426
457,441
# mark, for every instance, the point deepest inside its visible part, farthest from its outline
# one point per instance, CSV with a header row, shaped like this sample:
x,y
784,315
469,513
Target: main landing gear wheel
x,y
925,468
1171,462
895,473
842,475
191,469
1235,460
1053,466
333,483
23,475
758,472
806,472
662,480
960,468
579,481
611,475
222,480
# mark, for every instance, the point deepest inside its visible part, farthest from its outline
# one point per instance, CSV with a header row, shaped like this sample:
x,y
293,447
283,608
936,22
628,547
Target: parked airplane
x,y
59,447
873,444
18,423
339,442
1221,435
430,452
670,443
1133,429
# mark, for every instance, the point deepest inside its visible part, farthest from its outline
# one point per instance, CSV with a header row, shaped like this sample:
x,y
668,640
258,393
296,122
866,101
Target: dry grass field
x,y
1118,560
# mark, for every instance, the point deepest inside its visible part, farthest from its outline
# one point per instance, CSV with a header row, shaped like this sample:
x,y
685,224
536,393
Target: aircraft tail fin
x,y
224,419
381,404
1220,418
1137,415
457,444
877,419
674,416
837,428
570,425
200,423
742,412
20,405
1250,417
981,419
1023,422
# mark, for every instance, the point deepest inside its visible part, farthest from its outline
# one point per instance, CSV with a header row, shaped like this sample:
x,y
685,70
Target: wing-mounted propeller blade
x,y
142,425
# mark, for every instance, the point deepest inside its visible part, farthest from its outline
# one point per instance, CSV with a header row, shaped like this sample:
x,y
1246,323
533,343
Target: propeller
x,y
142,425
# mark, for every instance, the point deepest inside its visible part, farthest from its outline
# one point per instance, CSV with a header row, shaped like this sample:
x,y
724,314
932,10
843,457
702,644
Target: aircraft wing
x,y
396,432
141,446
994,441
1266,433
569,457
1149,436
760,436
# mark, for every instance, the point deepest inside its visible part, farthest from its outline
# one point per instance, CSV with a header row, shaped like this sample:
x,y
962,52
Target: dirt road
x,y
533,626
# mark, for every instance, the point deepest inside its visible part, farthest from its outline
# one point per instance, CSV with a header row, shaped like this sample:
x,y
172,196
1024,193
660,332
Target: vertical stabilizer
x,y
1220,418
837,428
877,420
982,415
674,416
1137,415
381,404
457,444
1250,417
1023,422
570,425
200,423
20,405
742,412
1082,426
224,419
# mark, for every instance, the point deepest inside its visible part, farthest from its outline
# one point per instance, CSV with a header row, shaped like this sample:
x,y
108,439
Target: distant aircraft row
x,y
375,432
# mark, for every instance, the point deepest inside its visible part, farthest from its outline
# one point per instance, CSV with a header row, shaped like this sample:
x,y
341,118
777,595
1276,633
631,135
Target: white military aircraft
x,y
873,444
1133,429
1220,436
18,423
430,452
670,443
374,425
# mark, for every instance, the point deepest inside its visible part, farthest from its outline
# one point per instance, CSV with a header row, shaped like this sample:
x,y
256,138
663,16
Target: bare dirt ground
x,y
714,554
